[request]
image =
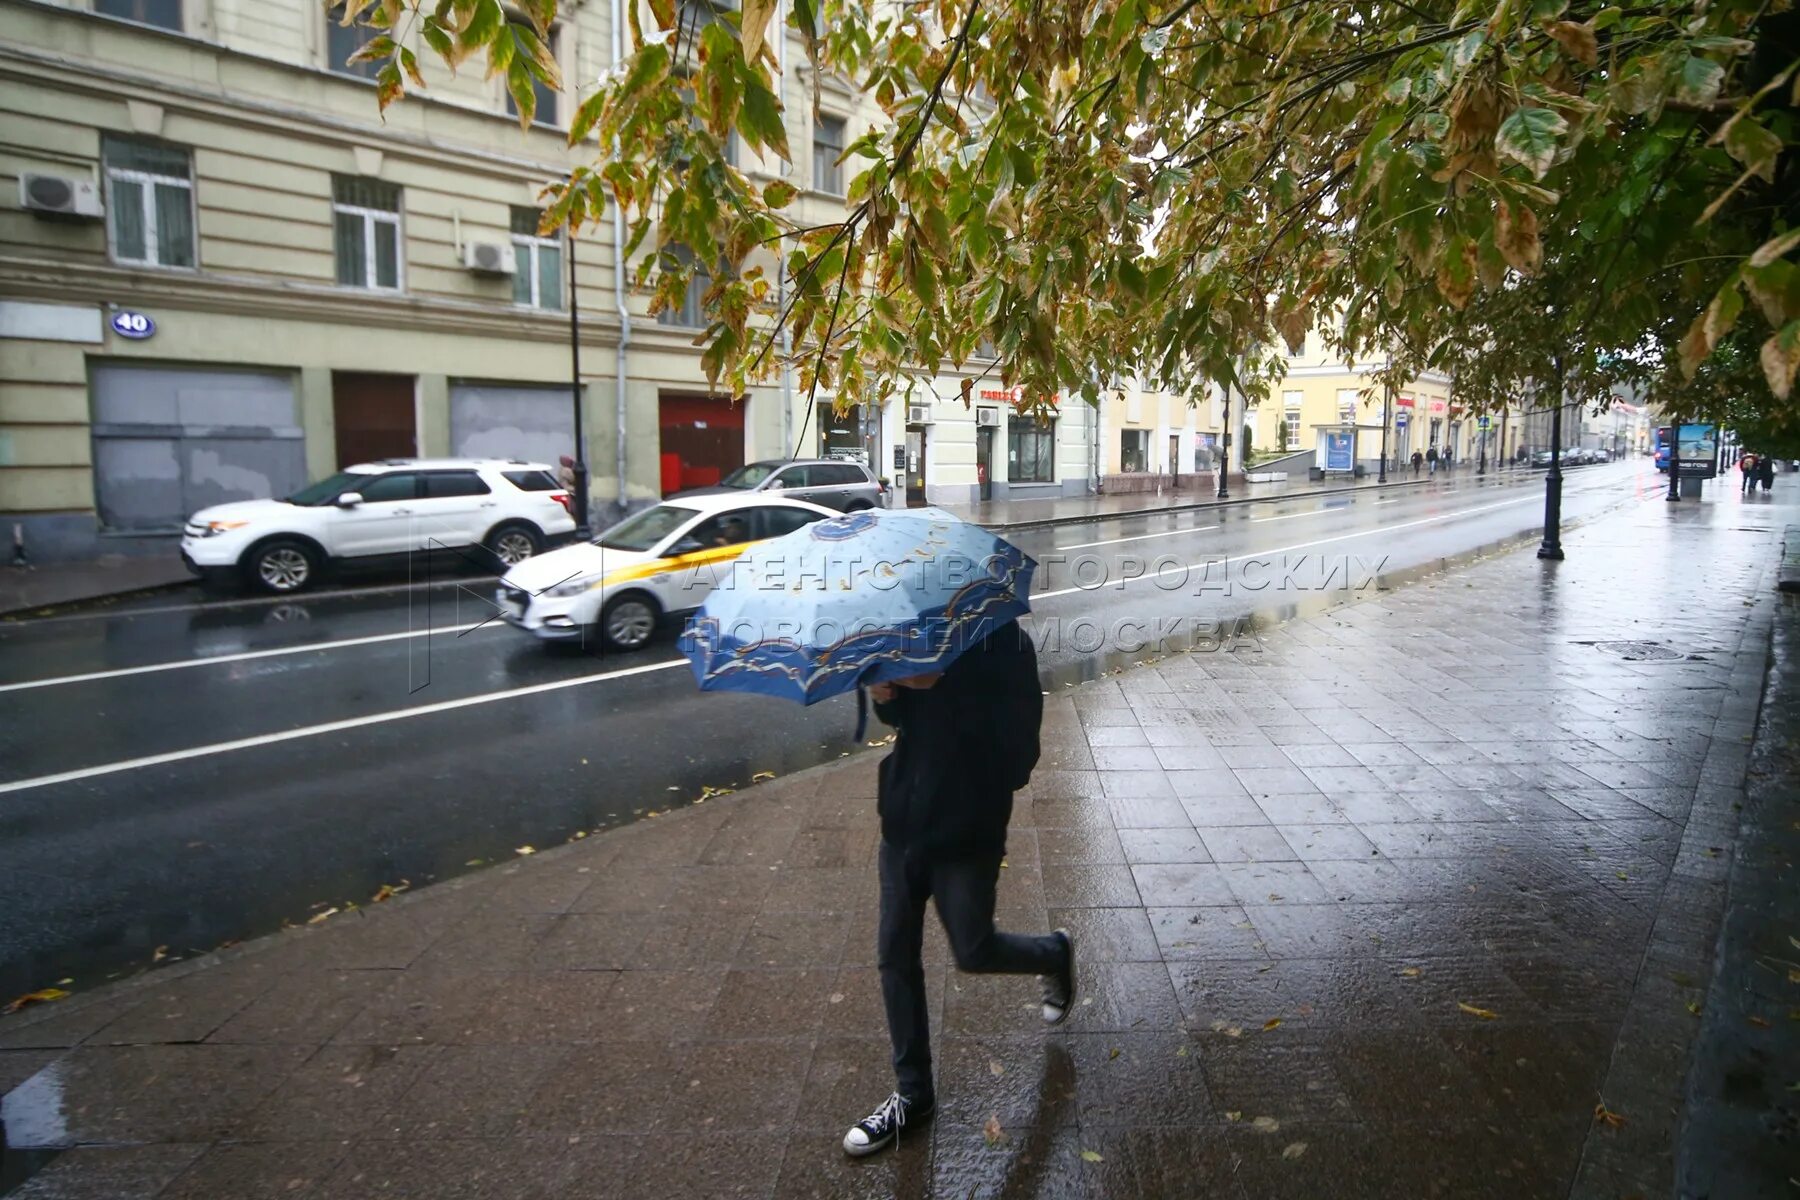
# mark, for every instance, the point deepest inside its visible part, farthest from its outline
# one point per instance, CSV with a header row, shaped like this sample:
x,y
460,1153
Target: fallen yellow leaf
x,y
1265,1124
531,849
1759,1022
1271,1023
1410,972
160,953
1091,1156
1294,1150
1234,1116
992,1131
1693,1006
318,918
1182,1052
1482,1013
1607,1116
1113,1055
994,1067
41,996
762,775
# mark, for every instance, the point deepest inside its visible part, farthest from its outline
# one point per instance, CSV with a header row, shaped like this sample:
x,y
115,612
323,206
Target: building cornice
x,y
249,296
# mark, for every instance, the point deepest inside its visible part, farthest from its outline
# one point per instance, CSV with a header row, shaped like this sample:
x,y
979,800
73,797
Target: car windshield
x,y
749,475
647,528
329,489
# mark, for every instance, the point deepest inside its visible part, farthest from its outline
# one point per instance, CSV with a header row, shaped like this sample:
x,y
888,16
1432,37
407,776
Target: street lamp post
x,y
1551,547
1387,418
1225,441
582,529
1674,458
1481,465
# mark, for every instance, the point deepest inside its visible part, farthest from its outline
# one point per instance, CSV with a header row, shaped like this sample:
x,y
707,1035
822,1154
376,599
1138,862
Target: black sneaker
x,y
1059,989
882,1126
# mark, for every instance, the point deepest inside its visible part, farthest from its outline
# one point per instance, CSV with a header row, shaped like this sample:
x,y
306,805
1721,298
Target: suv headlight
x,y
215,528
574,587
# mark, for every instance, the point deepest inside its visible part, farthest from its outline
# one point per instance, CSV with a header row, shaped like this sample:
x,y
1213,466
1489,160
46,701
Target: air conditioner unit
x,y
987,416
64,197
918,414
490,258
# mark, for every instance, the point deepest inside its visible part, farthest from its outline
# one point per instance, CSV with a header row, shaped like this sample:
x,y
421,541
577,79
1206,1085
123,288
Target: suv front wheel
x,y
281,566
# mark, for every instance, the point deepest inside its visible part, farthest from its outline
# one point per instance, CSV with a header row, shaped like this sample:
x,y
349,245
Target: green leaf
x,y
524,96
648,67
484,25
759,120
1699,80
588,115
1607,17
1747,141
373,50
439,40
1774,248
779,193
1529,137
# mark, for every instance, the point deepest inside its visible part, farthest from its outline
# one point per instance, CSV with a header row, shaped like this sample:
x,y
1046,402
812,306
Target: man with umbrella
x,y
967,739
917,609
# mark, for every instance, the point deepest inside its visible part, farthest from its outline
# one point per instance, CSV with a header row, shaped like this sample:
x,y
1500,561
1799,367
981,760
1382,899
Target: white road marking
x,y
1391,500
245,656
1317,512
1344,537
289,735
1137,538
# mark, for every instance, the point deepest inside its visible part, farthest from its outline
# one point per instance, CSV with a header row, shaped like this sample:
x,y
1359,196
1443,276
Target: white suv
x,y
380,510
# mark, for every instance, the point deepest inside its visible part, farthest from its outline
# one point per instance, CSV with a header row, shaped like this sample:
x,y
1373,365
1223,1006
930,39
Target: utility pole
x,y
1674,458
1387,418
1551,547
582,529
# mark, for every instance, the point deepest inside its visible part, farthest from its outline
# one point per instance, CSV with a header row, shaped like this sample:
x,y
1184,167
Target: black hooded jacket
x,y
965,746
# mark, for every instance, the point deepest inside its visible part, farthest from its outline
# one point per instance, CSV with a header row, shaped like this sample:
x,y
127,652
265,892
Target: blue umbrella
x,y
862,598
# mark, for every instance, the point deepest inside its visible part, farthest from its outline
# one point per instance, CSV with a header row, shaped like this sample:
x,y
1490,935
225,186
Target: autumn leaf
x,y
1234,1117
992,1131
1759,1022
1578,40
160,953
322,917
1271,1023
761,776
1410,972
1265,1124
1516,237
525,850
1293,1150
1607,1116
1091,1156
41,996
1529,137
1456,271
994,1067
1482,1013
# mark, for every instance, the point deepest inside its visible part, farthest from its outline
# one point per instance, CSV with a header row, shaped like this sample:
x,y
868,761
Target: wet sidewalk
x,y
26,589
1197,491
1408,898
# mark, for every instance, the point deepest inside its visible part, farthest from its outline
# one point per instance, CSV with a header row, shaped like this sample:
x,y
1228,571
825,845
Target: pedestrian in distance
x,y
1431,457
1417,461
967,739
565,473
1765,473
1747,468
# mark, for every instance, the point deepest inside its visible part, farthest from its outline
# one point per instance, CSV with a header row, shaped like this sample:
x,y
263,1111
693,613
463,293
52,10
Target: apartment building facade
x,y
223,273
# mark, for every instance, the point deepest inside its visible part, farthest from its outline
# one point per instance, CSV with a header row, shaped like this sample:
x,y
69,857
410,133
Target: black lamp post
x,y
1387,418
1482,429
1551,547
582,529
1674,458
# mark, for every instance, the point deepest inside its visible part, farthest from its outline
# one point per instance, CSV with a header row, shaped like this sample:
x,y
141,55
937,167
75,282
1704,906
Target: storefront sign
x,y
1404,401
133,325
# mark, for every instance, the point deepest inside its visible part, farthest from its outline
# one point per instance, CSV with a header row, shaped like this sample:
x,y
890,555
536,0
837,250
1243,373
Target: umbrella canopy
x,y
862,598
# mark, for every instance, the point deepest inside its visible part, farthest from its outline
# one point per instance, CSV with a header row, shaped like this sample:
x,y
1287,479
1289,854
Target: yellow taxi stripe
x,y
694,558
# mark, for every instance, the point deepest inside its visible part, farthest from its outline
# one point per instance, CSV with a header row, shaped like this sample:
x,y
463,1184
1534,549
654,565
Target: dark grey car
x,y
835,483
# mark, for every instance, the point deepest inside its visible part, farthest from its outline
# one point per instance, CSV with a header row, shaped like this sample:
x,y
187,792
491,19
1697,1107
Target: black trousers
x,y
964,891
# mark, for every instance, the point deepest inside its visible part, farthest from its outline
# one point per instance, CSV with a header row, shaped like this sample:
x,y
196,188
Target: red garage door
x,y
702,440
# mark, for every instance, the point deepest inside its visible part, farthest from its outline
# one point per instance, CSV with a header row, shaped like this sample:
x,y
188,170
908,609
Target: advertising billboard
x,y
1697,449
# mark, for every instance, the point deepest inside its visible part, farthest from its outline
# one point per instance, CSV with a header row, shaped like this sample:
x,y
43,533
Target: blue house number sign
x,y
133,325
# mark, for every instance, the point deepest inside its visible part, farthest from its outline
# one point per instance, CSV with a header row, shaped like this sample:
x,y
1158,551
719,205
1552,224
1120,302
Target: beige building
x,y
1154,440
223,274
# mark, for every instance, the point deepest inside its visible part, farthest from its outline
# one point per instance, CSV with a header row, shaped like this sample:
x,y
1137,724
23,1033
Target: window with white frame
x,y
544,111
150,202
366,230
537,271
1347,398
343,41
828,147
1291,402
165,14
692,312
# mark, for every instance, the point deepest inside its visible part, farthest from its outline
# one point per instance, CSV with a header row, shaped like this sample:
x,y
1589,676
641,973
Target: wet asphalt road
x,y
178,772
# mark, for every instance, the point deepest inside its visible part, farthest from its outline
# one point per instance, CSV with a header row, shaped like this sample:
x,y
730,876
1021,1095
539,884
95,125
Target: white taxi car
x,y
655,563
382,511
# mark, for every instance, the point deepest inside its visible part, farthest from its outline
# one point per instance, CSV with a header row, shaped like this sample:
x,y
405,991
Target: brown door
x,y
374,416
984,461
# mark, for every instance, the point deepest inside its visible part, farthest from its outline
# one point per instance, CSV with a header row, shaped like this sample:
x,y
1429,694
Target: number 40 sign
x,y
134,325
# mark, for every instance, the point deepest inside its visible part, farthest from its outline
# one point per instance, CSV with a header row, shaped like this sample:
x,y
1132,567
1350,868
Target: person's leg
x,y
899,948
964,891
